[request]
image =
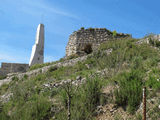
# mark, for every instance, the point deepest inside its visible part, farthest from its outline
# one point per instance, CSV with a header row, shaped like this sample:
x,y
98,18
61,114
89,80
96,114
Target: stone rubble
x,y
79,80
6,97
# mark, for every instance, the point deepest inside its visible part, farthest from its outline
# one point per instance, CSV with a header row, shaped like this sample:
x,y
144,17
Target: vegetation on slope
x,y
2,77
129,66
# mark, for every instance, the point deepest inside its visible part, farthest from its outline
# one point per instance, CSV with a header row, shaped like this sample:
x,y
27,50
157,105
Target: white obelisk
x,y
37,55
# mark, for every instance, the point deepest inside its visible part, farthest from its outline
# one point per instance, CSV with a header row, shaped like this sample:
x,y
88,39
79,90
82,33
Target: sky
x,y
19,20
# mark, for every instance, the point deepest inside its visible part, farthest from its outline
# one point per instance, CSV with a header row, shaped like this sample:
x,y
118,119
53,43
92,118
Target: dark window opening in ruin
x,y
38,58
88,48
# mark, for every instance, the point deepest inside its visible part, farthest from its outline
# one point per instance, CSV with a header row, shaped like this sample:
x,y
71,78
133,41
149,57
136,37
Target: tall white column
x,y
37,55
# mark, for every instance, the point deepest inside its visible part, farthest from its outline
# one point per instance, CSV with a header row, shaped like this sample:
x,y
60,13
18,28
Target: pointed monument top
x,y
37,55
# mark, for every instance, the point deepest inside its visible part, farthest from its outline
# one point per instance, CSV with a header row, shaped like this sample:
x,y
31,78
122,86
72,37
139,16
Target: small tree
x,y
68,89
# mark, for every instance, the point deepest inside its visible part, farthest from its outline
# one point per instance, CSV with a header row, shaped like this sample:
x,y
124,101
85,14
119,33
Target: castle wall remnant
x,y
91,37
37,55
13,68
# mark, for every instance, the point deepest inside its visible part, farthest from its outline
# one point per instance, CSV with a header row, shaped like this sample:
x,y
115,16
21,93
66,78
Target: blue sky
x,y
19,20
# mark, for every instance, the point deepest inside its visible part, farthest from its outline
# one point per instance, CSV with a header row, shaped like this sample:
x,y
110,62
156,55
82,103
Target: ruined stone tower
x,y
89,38
37,55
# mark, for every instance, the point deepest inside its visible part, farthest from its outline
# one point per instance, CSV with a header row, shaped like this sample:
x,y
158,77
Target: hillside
x,y
104,85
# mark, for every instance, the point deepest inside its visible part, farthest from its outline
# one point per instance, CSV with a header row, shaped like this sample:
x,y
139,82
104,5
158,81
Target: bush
x,y
114,33
84,99
40,77
154,80
2,77
129,92
91,29
3,114
82,28
15,78
92,92
53,68
4,88
154,42
25,76
36,66
34,109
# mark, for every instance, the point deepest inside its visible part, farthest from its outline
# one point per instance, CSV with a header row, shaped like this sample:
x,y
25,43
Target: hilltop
x,y
104,84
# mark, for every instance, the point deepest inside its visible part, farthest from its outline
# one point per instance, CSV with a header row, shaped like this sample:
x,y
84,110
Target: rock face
x,y
37,55
90,39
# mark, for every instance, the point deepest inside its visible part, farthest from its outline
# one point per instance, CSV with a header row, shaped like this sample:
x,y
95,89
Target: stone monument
x,y
37,55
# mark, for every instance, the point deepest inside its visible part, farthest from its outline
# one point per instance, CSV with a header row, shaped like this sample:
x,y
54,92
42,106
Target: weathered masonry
x,y
13,68
89,38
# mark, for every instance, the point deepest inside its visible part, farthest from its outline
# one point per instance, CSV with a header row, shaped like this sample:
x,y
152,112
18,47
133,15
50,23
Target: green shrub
x,y
53,68
40,77
25,76
4,88
36,66
92,90
3,114
154,80
60,73
114,33
139,116
129,92
2,77
34,109
27,102
154,42
91,29
154,113
15,78
84,99
82,28
149,35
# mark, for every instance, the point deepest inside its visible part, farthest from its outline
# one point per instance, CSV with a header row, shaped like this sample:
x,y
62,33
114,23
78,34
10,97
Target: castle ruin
x,y
79,40
90,38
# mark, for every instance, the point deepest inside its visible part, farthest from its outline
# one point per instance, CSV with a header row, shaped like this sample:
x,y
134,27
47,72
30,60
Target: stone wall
x,y
92,36
13,68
